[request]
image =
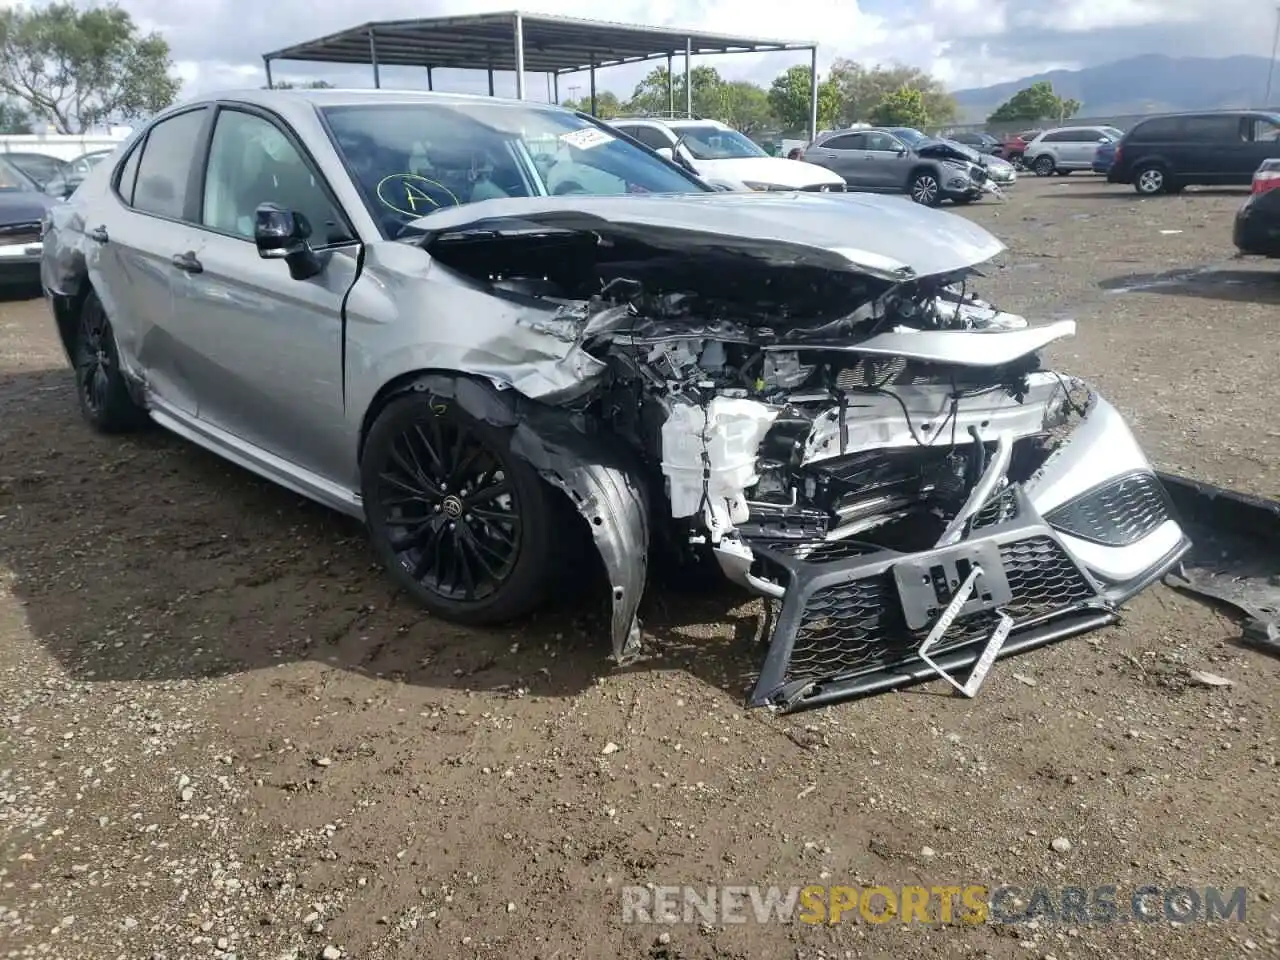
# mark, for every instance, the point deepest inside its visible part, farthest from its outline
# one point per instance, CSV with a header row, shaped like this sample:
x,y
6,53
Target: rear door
x,y
132,244
844,154
1215,148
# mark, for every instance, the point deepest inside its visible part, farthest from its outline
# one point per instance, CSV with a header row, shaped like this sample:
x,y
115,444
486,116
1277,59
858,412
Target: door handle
x,y
98,235
188,262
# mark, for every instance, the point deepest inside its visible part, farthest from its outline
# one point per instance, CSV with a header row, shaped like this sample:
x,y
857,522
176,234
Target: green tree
x,y
653,94
1036,102
743,106
863,88
13,119
607,105
789,98
309,85
903,107
76,68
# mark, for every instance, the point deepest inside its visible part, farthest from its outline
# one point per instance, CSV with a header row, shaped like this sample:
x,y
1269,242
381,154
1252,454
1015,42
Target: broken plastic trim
x,y
594,472
1234,558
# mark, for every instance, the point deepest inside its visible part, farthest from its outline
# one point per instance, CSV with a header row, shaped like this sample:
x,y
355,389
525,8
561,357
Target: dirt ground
x,y
223,735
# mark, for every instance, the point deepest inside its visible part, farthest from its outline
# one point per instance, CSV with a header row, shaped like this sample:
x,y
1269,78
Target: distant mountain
x,y
1147,84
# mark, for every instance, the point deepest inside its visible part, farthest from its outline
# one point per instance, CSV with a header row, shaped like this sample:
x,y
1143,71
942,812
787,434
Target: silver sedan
x,y
492,329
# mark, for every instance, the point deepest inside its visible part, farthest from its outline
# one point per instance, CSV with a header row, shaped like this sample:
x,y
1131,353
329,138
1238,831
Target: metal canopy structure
x,y
526,42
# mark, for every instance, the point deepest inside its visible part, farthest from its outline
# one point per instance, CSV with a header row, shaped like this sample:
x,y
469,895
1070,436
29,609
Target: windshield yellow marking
x,y
416,201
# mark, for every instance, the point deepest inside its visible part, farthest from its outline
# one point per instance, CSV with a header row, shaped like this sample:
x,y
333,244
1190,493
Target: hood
x,y
947,150
23,206
778,171
882,236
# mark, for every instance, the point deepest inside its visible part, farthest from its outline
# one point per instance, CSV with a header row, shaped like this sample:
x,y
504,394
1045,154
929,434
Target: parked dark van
x,y
1223,147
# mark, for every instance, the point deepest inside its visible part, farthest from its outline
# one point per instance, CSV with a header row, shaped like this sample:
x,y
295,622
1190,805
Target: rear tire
x,y
1044,166
465,526
1151,180
101,387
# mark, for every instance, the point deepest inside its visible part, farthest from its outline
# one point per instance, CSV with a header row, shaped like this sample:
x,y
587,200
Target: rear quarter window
x,y
848,141
1161,128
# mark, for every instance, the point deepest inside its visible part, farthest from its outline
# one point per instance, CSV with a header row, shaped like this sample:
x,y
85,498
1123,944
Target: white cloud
x,y
966,43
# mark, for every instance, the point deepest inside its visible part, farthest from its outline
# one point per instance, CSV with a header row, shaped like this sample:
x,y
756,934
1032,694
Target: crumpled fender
x,y
593,468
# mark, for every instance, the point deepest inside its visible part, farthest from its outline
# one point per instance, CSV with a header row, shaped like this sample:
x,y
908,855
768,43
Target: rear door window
x,y
846,141
1161,128
1263,130
651,137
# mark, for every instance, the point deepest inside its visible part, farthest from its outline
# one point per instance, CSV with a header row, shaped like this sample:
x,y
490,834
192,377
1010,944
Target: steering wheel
x,y
568,187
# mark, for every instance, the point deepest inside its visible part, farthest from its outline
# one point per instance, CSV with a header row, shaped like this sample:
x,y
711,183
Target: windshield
x,y
716,143
409,160
909,134
13,180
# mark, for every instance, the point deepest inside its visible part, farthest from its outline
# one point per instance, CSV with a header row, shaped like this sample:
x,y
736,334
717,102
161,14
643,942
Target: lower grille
x,y
857,626
1119,513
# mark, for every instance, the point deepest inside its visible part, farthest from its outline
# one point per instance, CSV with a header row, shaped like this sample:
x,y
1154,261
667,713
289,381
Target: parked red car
x,y
1015,145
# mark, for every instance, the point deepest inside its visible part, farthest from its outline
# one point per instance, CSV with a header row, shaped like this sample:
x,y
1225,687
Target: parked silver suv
x,y
1064,149
881,161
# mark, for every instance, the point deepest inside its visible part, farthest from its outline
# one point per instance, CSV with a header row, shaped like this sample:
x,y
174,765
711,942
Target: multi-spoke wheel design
x,y
925,189
459,520
452,514
100,382
93,361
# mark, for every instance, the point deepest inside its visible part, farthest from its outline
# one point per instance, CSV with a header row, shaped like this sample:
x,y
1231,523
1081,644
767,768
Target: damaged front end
x,y
850,434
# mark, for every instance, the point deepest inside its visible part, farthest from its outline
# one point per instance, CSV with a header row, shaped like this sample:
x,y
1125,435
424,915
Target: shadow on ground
x,y
146,557
1121,191
1210,283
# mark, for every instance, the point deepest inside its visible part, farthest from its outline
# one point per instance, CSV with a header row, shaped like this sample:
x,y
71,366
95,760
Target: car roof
x,y
294,102
1081,126
1240,112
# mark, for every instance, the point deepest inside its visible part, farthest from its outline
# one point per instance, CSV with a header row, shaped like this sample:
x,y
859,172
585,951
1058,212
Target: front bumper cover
x,y
841,629
1059,555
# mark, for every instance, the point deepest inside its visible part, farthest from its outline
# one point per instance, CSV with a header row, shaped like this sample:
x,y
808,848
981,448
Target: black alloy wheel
x,y
101,387
459,520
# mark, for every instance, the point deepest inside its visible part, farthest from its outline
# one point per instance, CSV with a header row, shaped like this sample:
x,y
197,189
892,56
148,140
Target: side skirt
x,y
255,459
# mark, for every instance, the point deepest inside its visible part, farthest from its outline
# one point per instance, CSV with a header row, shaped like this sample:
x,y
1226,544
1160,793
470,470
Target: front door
x,y
268,347
1263,134
888,161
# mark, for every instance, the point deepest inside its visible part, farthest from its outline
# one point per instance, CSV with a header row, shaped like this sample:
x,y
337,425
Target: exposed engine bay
x,y
777,399
879,454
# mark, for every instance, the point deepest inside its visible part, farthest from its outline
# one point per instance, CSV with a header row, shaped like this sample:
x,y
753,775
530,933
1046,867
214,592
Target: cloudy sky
x,y
967,43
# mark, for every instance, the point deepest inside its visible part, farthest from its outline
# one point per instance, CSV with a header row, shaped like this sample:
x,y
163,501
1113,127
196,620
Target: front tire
x,y
1044,166
925,189
460,522
101,387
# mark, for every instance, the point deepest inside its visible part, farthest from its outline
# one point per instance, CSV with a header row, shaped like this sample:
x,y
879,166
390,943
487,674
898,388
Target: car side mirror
x,y
282,234
902,151
666,153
